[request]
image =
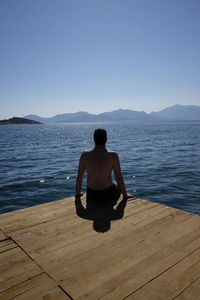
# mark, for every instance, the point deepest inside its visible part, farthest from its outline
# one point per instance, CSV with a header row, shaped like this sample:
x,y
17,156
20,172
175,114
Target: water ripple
x,y
160,162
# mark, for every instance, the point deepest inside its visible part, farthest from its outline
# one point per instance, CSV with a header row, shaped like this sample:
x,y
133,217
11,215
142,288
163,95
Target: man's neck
x,y
100,147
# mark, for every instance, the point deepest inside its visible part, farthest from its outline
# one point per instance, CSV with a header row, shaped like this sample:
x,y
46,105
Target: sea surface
x,y
160,162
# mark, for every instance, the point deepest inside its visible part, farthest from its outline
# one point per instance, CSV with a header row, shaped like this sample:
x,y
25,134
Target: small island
x,y
16,120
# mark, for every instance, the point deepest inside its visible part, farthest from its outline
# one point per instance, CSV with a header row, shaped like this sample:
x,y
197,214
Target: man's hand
x,y
78,196
128,196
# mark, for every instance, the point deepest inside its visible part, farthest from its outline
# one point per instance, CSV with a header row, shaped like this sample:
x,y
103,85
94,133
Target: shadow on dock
x,y
101,213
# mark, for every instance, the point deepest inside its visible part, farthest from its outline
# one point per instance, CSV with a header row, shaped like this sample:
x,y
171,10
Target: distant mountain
x,y
36,118
66,118
116,115
176,112
125,115
16,120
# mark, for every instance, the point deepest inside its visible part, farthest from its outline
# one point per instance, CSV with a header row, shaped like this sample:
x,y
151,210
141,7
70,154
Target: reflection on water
x,y
160,162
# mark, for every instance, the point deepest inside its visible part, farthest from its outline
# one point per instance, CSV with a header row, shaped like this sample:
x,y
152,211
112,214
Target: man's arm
x,y
79,178
119,177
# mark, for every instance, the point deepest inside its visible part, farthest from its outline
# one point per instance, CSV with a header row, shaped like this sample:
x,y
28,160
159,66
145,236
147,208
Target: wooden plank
x,y
2,236
92,246
128,273
191,292
93,242
173,281
131,257
61,232
40,214
127,279
133,207
39,287
71,233
7,245
16,267
110,255
31,216
158,265
67,230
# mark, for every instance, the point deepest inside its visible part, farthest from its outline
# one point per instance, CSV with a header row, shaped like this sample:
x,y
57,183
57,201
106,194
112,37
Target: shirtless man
x,y
99,163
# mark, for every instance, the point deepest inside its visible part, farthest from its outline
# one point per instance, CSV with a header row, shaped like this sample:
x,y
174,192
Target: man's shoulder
x,y
86,152
110,151
113,153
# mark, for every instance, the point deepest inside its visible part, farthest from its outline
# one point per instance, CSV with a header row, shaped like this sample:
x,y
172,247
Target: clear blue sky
x,y
59,56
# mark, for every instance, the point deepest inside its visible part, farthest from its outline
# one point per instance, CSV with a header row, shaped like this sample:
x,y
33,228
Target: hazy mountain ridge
x,y
176,112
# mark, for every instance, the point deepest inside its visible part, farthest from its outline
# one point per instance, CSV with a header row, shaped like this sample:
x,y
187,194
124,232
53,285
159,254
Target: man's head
x,y
100,136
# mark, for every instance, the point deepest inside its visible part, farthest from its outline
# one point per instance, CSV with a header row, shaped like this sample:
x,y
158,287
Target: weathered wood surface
x,y
22,278
2,236
48,252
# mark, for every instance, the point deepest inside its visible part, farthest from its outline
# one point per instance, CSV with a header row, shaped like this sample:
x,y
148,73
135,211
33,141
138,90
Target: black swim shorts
x,y
110,194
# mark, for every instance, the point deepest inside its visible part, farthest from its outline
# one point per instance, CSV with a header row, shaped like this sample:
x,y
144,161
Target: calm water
x,y
160,162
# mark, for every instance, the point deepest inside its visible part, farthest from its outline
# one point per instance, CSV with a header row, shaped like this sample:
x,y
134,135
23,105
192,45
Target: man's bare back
x,y
99,163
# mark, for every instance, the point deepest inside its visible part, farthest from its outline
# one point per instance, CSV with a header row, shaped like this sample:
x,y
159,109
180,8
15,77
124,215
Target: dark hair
x,y
100,136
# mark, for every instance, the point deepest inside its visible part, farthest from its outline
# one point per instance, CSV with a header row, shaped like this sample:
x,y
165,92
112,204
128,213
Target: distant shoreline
x,y
127,122
16,120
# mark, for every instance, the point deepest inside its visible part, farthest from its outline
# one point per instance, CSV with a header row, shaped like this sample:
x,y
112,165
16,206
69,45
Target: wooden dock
x,y
150,252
